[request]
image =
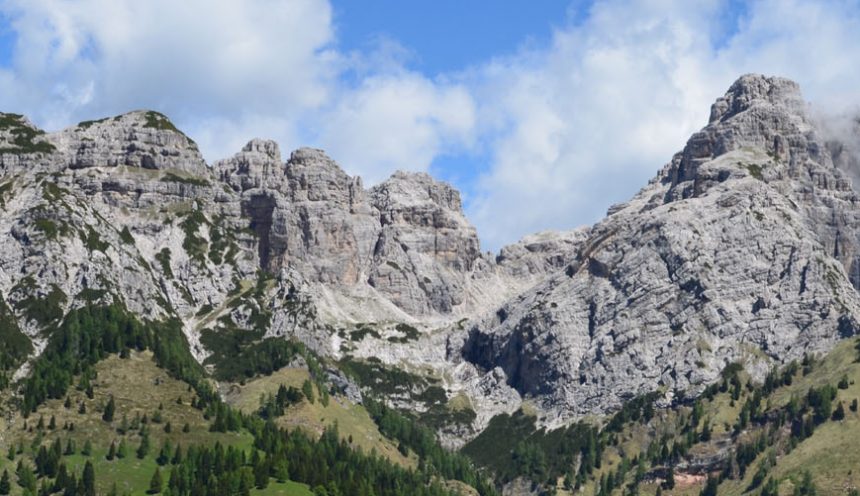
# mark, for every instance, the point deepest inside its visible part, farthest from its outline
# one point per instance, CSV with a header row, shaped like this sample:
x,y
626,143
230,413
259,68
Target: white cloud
x,y
591,118
193,58
399,121
227,71
558,132
587,121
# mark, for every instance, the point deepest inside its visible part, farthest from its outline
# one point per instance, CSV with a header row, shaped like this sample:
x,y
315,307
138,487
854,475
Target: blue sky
x,y
448,35
542,113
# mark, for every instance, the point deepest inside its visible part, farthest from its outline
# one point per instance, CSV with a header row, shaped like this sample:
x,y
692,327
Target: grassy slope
x,y
352,420
138,386
832,454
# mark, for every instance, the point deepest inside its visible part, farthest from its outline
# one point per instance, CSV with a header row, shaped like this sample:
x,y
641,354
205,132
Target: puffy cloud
x,y
548,136
585,122
591,118
227,71
400,121
193,59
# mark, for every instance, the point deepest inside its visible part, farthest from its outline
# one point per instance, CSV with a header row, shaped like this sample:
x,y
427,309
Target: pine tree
x,y
261,474
110,409
771,488
177,455
156,483
62,479
111,454
669,483
88,448
806,486
706,432
27,479
281,470
839,413
5,483
711,486
123,425
122,449
143,449
88,480
308,390
164,455
45,488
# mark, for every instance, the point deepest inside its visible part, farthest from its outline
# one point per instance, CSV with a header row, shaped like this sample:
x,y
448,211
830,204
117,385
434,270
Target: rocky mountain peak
x,y
269,148
415,188
257,165
742,249
761,113
314,176
21,141
142,138
755,89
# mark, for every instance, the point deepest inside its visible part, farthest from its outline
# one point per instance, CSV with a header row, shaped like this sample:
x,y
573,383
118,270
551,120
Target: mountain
x,y
743,253
744,248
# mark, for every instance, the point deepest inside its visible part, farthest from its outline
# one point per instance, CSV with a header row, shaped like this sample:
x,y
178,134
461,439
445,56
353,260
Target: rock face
x,y
406,238
126,207
743,248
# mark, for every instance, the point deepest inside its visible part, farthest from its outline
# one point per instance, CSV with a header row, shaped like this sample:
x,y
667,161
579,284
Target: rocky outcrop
x,y
425,245
144,139
541,253
405,240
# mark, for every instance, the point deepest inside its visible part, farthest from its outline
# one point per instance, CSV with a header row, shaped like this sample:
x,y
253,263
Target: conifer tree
x,y
88,480
669,483
5,483
110,409
122,449
143,449
156,483
27,479
711,486
839,413
308,390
